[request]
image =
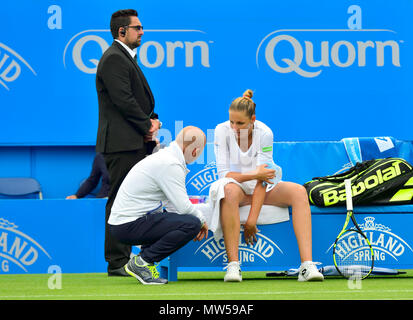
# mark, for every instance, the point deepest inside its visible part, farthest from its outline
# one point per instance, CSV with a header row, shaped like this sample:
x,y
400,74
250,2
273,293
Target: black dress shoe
x,y
121,272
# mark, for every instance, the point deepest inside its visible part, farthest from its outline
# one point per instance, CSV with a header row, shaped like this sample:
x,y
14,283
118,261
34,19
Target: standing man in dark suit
x,y
127,122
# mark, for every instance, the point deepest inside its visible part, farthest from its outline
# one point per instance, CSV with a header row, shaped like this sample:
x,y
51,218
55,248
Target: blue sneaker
x,y
146,274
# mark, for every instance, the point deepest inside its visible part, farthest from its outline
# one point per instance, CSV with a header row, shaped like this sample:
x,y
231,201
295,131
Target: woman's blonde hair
x,y
244,104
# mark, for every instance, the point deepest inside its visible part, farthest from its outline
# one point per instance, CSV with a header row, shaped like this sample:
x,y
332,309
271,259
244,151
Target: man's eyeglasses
x,y
137,28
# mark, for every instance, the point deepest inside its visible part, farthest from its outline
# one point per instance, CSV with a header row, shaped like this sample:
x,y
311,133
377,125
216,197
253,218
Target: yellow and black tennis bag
x,y
374,182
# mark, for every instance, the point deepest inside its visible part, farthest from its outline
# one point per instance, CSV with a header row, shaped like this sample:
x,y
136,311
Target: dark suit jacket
x,y
126,103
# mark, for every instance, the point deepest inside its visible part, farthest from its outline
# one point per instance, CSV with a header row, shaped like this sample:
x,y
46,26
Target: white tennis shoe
x,y
309,272
233,272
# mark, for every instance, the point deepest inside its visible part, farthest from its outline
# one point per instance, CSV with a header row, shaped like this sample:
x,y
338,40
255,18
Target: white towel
x,y
211,209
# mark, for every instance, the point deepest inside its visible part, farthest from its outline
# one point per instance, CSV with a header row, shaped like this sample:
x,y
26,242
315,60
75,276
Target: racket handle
x,y
349,196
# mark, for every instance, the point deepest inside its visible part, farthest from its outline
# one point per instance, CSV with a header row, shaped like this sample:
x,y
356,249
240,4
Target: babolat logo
x,y
386,244
309,52
263,249
160,48
202,179
11,66
17,248
377,177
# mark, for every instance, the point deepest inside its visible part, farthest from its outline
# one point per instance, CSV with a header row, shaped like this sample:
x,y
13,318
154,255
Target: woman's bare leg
x,y
230,220
291,194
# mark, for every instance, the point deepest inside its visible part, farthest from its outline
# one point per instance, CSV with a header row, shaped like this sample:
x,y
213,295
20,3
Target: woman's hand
x,y
250,231
264,174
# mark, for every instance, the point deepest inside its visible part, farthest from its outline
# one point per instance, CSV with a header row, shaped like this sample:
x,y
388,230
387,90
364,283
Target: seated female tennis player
x,y
242,147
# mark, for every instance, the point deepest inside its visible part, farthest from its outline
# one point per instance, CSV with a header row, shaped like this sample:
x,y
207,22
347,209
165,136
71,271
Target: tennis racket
x,y
352,252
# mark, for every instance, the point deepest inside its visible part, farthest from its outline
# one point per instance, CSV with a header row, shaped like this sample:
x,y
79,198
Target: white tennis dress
x,y
230,157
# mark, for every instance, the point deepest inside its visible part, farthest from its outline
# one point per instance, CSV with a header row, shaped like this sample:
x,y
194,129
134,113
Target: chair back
x,y
19,187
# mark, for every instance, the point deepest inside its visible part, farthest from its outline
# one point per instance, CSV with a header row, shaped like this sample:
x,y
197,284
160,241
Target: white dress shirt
x,y
130,51
155,182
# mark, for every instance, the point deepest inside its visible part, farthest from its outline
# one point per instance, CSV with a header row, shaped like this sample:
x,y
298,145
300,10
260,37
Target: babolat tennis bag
x,y
374,182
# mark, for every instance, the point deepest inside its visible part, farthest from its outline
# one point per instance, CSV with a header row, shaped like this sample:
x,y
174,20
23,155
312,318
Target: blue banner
x,y
276,247
319,71
37,236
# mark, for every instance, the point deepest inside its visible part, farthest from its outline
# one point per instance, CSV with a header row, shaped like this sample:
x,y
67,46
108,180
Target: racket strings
x,y
353,256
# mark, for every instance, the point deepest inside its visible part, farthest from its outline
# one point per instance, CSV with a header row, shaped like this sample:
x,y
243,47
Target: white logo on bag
x,y
151,54
329,51
17,247
11,65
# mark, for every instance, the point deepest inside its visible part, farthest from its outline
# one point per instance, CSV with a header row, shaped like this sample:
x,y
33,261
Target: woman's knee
x,y
297,195
301,193
233,193
300,203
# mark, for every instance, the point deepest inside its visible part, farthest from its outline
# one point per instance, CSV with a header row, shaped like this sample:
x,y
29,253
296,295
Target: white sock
x,y
305,263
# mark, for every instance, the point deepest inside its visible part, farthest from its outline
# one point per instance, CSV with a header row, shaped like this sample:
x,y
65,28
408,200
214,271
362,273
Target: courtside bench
x,y
387,227
57,235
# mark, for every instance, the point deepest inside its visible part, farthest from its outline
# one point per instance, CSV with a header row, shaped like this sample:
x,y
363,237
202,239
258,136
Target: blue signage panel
x,y
276,247
36,235
319,71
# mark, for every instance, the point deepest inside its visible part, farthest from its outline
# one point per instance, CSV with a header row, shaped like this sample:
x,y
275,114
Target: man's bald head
x,y
192,141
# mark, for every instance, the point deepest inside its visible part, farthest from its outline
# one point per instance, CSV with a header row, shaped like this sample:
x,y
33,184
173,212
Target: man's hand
x,y
72,197
153,131
203,233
